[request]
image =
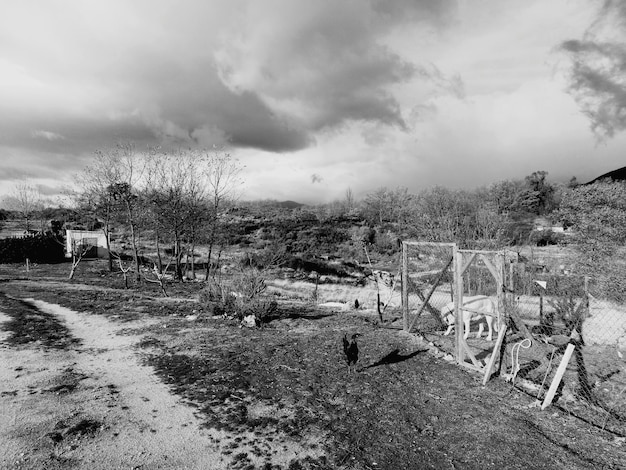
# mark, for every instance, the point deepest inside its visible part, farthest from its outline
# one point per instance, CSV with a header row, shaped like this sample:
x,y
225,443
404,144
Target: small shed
x,y
95,239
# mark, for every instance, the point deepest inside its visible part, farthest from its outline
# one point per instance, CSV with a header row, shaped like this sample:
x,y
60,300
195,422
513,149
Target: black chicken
x,y
351,350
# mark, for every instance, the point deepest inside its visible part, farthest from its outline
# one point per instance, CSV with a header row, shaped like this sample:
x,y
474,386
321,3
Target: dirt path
x,y
94,406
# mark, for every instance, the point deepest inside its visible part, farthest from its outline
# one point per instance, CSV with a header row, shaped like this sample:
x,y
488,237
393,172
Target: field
x,y
95,376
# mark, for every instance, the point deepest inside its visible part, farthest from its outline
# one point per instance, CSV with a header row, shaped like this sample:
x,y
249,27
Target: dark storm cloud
x,y
70,134
325,64
598,66
278,76
267,75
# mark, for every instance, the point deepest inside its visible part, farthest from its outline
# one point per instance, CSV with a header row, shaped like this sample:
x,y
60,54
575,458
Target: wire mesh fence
x,y
429,286
558,308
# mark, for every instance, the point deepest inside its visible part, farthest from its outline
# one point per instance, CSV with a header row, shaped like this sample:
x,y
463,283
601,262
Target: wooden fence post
x,y
405,286
458,299
558,376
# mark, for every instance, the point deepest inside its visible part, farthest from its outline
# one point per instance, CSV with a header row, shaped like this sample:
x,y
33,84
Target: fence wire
x,y
429,285
558,308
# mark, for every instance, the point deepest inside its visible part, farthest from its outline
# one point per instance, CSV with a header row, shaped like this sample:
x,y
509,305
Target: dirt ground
x,y
93,376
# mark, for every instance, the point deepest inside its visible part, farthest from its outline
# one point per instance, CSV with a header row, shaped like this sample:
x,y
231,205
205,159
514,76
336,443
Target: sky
x,y
315,98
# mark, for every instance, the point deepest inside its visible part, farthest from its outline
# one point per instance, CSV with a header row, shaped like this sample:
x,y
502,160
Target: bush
x,y
213,292
37,248
240,296
271,256
546,237
318,266
263,309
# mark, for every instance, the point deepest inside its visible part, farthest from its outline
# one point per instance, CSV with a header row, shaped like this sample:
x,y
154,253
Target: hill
x,y
289,204
615,175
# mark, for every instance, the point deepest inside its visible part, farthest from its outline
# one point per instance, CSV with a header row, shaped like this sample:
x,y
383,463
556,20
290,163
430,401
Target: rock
x,y
249,321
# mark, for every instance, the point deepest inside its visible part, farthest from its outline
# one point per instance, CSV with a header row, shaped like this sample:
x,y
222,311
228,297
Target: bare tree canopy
x,y
26,200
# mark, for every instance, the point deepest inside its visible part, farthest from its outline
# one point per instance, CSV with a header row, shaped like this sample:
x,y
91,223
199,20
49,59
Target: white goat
x,y
474,308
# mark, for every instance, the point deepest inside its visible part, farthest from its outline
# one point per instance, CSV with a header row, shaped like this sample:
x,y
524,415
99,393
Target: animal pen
x,y
559,337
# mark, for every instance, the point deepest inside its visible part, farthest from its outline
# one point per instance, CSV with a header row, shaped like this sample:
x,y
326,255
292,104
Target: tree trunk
x,y
105,229
133,240
211,243
158,250
177,255
193,262
186,264
74,264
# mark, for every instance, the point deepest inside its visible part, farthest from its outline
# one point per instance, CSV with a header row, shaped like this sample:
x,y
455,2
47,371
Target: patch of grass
x,y
29,325
74,427
67,382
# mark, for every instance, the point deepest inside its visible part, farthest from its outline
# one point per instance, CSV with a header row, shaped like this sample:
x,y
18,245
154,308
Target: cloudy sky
x,y
315,97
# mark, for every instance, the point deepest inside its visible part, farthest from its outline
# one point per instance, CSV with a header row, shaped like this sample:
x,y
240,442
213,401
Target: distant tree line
x,y
177,201
497,215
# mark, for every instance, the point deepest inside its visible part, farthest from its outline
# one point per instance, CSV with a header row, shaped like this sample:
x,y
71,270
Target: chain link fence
x,y
561,308
557,307
430,277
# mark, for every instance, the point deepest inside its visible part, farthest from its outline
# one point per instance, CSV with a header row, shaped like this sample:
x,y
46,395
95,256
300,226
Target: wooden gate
x,y
492,263
436,260
474,272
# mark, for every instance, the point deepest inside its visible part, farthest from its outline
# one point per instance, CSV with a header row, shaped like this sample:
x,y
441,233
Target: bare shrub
x,y
248,284
263,309
241,295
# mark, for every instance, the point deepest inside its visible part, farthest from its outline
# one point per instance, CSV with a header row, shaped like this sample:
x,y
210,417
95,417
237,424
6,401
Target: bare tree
x,y
173,191
349,200
95,197
26,200
123,269
159,278
79,250
222,173
120,173
198,215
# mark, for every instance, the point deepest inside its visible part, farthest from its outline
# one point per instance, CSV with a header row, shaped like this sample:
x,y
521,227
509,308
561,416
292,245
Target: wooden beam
x,y
432,310
405,286
417,243
458,302
469,366
468,262
468,353
478,252
492,269
494,354
547,401
501,293
430,294
425,274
